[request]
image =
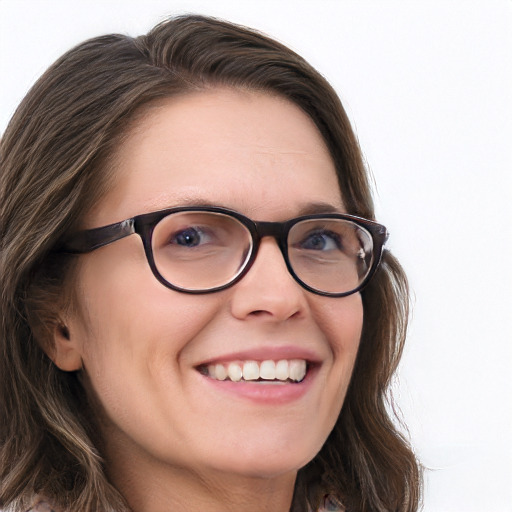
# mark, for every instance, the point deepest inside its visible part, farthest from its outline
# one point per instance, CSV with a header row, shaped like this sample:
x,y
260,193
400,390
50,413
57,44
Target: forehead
x,y
250,151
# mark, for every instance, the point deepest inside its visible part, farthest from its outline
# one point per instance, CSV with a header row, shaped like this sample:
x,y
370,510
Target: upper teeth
x,y
293,369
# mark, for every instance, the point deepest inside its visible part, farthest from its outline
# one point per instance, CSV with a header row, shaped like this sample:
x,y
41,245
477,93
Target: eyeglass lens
x,y
206,250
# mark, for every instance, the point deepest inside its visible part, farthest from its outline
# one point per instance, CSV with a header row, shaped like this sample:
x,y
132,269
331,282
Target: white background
x,y
428,86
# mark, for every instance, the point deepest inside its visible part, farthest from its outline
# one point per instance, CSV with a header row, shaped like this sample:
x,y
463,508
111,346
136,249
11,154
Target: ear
x,y
65,352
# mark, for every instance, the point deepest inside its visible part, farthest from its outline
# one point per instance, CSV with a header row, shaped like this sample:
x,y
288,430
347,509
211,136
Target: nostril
x,y
259,312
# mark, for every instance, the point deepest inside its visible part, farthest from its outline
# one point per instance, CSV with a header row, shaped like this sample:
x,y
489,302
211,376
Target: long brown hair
x,y
55,164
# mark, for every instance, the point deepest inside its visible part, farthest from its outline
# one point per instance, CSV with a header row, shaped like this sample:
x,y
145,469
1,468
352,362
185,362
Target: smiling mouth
x,y
268,371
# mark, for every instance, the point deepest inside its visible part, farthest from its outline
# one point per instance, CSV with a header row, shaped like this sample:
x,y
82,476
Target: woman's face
x,y
144,347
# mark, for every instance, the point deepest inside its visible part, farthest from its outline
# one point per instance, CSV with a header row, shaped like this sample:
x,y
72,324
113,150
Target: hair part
x,y
57,160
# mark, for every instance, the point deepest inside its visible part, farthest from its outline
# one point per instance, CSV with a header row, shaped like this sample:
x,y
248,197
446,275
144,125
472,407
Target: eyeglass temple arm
x,y
91,239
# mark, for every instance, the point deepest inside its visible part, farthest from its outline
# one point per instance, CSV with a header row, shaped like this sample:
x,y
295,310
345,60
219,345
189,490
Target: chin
x,y
268,462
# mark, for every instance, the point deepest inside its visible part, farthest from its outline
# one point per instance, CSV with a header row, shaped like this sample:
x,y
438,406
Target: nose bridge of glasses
x,y
275,230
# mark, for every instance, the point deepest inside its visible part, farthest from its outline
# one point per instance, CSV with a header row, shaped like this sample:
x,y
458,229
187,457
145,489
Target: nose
x,y
268,291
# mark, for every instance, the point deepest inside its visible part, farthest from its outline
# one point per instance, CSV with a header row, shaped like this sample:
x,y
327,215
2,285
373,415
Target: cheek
x,y
130,328
133,334
341,321
122,300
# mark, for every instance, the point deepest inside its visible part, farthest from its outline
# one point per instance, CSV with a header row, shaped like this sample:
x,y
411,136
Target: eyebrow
x,y
304,209
313,208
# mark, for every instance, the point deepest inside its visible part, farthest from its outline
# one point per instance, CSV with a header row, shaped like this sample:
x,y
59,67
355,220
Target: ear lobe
x,y
65,353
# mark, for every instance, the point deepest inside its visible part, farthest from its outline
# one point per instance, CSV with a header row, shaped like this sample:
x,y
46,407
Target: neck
x,y
181,490
190,493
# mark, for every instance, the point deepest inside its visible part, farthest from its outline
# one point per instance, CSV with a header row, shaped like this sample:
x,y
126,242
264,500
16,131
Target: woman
x,y
160,349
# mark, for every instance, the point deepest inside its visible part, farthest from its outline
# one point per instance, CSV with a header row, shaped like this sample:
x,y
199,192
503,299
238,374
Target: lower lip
x,y
269,393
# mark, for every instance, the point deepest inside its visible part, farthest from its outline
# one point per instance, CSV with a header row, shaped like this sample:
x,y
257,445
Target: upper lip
x,y
266,353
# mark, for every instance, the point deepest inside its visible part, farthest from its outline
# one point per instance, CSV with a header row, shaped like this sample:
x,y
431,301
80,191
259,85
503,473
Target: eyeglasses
x,y
207,249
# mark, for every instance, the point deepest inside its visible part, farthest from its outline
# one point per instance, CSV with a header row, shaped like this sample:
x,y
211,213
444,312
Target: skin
x,y
172,441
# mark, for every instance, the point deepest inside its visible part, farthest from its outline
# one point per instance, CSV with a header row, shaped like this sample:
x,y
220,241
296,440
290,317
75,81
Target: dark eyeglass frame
x,y
91,239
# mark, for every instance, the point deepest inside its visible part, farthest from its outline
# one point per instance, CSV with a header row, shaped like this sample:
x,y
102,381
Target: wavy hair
x,y
55,164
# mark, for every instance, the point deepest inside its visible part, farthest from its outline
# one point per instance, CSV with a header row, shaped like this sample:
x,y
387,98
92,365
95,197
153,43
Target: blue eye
x,y
321,241
190,237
